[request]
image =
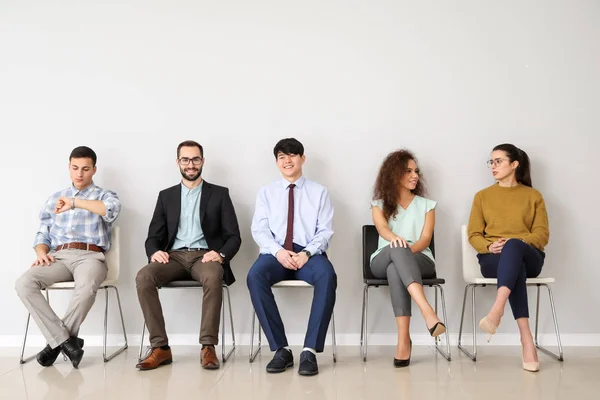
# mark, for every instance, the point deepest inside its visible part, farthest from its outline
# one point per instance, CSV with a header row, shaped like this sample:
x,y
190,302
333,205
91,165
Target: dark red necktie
x,y
289,234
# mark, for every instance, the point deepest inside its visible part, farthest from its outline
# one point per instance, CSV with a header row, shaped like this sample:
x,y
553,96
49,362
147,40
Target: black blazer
x,y
217,218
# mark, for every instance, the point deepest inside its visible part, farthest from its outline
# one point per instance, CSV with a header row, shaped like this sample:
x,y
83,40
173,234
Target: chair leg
x,y
472,356
446,353
124,347
558,356
363,324
333,342
142,341
254,353
21,359
225,356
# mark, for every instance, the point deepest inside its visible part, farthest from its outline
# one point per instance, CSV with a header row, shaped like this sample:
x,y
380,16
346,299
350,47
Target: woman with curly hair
x,y
404,220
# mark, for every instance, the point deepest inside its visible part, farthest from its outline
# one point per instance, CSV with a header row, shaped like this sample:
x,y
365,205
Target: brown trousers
x,y
182,265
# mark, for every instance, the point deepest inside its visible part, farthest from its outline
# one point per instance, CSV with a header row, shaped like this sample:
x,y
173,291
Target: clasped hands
x,y
292,260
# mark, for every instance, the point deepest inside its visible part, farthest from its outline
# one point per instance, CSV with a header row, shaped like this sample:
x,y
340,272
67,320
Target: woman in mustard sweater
x,y
508,227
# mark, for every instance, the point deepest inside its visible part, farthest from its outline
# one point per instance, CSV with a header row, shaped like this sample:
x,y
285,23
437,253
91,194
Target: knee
x,y
254,276
144,279
24,285
212,279
514,245
327,276
87,289
401,251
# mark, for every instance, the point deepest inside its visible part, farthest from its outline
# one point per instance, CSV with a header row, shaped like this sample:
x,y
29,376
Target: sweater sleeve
x,y
476,227
540,234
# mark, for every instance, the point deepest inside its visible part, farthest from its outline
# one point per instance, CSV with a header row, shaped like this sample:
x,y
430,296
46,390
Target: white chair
x,y
473,278
287,284
191,284
113,265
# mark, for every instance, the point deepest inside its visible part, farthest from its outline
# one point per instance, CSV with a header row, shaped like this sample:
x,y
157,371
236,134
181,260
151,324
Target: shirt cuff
x,y
39,239
275,249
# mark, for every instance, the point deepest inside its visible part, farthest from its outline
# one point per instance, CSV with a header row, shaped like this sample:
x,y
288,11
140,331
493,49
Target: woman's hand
x,y
397,241
496,247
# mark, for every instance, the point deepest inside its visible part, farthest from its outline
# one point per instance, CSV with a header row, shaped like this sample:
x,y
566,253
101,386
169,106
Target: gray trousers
x,y
86,268
401,268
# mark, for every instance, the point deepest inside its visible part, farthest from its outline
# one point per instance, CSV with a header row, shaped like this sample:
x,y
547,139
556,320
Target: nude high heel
x,y
533,366
488,327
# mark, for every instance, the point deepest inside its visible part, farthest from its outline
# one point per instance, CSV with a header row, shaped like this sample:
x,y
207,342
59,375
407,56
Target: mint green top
x,y
408,224
189,231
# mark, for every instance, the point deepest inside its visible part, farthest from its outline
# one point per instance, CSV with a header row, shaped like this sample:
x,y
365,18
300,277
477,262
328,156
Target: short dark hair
x,y
523,172
288,146
190,143
83,152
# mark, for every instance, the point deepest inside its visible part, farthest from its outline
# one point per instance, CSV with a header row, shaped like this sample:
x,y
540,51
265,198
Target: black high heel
x,y
403,363
437,329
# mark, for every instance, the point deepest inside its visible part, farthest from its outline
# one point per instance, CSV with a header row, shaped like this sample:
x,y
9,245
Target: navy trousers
x,y
318,272
517,262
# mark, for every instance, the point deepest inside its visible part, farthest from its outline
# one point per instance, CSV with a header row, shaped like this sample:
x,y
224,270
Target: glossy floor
x,y
496,375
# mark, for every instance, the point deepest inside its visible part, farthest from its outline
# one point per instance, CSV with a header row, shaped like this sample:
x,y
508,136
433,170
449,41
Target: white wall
x,y
352,80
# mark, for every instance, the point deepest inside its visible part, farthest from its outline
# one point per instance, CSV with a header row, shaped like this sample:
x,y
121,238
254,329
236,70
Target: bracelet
x,y
72,203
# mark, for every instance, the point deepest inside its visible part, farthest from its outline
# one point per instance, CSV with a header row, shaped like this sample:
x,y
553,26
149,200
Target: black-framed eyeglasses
x,y
186,161
495,162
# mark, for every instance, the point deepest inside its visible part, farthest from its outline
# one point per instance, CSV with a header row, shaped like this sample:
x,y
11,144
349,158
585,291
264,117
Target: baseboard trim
x,y
346,339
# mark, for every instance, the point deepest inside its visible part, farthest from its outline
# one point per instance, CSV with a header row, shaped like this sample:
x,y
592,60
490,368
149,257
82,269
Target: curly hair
x,y
390,173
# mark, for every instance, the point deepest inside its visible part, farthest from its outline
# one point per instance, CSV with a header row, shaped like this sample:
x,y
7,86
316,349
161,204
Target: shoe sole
x,y
77,361
166,362
278,370
307,373
439,330
211,366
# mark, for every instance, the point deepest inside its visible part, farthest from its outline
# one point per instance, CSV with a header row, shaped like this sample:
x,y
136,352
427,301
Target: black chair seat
x,y
384,282
182,284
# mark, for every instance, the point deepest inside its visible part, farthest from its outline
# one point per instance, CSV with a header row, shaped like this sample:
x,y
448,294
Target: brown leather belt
x,y
80,246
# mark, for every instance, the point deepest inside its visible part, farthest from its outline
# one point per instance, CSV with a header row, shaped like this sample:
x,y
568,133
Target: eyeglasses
x,y
186,161
495,162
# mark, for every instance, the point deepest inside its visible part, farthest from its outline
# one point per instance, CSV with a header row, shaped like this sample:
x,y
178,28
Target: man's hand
x,y
42,259
212,256
285,258
300,259
62,204
496,247
160,257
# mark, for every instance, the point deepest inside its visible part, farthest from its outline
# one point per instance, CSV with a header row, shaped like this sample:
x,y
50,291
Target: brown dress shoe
x,y
155,359
208,358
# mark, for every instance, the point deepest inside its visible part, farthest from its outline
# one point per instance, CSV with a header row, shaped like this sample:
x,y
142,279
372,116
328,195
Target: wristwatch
x,y
222,256
307,253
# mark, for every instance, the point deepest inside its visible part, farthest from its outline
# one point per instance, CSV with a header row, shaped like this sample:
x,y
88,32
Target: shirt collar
x,y
299,182
185,190
84,192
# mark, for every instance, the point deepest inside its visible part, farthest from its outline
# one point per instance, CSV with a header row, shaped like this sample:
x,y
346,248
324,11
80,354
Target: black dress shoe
x,y
282,360
403,363
48,355
72,350
308,364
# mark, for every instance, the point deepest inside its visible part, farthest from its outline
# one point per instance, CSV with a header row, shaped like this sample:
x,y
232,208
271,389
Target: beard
x,y
194,174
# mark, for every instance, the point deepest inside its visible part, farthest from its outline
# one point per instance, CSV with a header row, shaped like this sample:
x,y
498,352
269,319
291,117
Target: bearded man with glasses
x,y
193,234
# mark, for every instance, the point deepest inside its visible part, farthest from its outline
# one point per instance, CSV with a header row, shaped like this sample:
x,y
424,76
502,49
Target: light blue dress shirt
x,y
313,216
189,230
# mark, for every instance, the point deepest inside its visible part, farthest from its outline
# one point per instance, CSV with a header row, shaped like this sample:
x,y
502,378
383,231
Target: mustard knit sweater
x,y
517,212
